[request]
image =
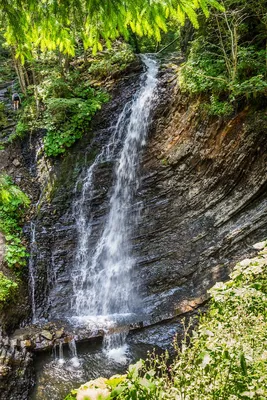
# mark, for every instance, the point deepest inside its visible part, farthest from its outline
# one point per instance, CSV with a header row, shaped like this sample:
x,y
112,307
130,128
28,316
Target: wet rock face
x,y
61,183
204,203
204,195
15,370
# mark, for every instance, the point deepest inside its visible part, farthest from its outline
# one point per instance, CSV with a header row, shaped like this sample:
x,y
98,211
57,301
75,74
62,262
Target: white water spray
x,y
74,356
102,284
33,250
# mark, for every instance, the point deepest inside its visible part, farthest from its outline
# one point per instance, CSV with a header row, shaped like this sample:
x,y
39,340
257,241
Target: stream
x,y
57,374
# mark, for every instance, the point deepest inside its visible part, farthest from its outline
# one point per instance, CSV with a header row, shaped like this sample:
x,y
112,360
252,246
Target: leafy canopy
x,y
54,25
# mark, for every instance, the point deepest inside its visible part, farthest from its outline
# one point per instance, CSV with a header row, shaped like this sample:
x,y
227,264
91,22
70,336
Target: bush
x,y
21,129
218,108
12,207
7,289
113,61
3,118
68,119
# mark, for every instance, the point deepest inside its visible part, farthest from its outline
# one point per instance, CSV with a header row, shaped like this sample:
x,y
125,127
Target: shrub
x,y
7,289
218,108
113,61
12,207
3,118
21,129
68,119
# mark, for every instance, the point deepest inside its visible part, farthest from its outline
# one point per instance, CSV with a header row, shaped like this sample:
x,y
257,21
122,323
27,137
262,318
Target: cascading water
x,y
33,250
74,356
103,291
102,286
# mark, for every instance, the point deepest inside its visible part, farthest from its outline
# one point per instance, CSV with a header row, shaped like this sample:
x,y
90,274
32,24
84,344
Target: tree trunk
x,y
19,72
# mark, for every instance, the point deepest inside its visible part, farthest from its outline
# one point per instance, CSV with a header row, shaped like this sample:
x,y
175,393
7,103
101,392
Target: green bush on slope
x,y
12,207
224,359
7,289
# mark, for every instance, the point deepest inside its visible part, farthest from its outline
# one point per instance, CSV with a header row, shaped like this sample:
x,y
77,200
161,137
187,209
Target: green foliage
x,y
68,118
15,253
52,25
21,129
225,358
70,397
218,108
111,62
12,206
7,289
3,118
227,58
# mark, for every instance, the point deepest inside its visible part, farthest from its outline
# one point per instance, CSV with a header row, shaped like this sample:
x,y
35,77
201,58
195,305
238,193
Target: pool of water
x,y
57,374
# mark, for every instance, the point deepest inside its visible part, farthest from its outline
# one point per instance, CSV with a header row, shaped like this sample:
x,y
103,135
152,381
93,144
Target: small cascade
x,y
61,354
73,351
114,344
58,353
102,275
33,248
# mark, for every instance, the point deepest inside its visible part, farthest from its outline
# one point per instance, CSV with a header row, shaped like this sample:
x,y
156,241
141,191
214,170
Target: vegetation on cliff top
x,y
52,54
224,358
227,60
63,99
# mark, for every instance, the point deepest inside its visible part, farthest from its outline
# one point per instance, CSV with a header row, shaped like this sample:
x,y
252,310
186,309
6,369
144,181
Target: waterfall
x,y
59,356
74,356
32,277
114,344
102,275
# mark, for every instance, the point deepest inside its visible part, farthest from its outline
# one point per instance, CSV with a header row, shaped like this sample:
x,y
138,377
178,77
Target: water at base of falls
x,y
55,380
58,352
103,293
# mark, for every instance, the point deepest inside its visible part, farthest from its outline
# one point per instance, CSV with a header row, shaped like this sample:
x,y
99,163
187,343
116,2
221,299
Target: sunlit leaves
x,y
50,25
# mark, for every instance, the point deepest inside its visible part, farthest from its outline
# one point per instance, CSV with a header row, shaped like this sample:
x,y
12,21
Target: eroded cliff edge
x,y
204,193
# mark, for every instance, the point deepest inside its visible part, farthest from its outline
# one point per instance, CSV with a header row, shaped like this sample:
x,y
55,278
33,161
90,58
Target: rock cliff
x,y
203,195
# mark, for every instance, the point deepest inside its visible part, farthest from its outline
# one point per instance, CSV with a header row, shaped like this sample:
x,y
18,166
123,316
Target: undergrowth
x,y
225,358
227,58
7,289
64,99
13,203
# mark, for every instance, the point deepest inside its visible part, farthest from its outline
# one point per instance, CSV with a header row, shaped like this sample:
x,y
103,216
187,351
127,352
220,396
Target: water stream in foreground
x,y
59,372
